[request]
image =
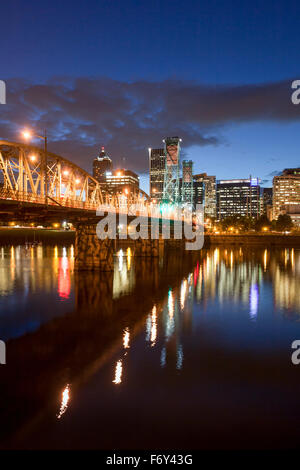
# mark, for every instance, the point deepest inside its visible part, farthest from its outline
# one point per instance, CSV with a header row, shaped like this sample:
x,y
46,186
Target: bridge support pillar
x,y
91,253
149,247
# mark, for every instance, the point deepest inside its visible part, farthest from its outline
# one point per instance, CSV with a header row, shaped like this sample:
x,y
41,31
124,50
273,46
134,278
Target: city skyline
x,y
225,90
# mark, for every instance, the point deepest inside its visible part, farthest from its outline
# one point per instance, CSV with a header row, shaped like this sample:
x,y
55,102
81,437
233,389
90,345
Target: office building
x,y
187,189
266,202
157,168
286,194
121,181
205,193
101,165
240,197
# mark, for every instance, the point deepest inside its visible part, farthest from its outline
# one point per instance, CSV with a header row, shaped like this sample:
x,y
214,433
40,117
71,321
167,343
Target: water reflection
x,y
147,319
64,401
118,372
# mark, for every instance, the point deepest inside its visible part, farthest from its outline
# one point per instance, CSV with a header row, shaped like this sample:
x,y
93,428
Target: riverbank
x,y
255,239
22,235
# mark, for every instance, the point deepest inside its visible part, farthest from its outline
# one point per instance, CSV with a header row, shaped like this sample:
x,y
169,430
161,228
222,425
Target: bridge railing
x,y
23,196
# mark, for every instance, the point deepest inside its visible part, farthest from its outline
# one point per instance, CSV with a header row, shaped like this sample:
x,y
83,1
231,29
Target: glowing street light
x,y
32,158
27,134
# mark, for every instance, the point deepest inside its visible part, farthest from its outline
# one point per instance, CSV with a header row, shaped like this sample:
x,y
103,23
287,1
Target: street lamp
x,y
28,135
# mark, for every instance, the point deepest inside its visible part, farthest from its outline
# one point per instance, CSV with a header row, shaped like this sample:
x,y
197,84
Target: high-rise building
x,y
101,165
171,193
205,193
286,194
266,201
121,181
239,197
157,168
187,188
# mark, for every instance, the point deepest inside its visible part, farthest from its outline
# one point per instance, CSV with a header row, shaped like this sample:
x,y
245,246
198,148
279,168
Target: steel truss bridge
x,y
34,185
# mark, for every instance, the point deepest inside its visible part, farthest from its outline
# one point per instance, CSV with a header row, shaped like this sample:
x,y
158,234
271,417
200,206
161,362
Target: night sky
x,y
126,73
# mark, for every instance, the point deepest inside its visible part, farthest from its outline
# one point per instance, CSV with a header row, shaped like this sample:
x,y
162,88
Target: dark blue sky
x,y
137,49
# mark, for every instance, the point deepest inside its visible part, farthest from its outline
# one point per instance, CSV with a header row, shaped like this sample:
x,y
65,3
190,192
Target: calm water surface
x,y
188,351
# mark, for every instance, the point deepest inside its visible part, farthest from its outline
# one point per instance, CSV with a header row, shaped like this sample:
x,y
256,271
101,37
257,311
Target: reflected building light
x,y
72,252
179,357
64,402
126,336
129,256
231,259
292,257
64,279
118,372
64,253
163,357
56,252
265,259
254,296
183,293
216,257
151,327
153,334
286,257
170,326
170,304
120,256
39,252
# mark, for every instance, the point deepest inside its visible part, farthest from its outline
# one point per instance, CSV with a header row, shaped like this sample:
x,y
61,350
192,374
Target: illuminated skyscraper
x,y
286,194
157,168
171,178
238,197
121,181
205,193
101,165
187,189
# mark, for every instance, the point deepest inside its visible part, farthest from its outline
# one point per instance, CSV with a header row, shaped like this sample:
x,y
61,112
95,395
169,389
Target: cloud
x,y
275,173
84,113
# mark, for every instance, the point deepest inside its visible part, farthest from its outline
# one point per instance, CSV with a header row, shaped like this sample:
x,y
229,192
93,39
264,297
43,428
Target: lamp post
x,y
28,135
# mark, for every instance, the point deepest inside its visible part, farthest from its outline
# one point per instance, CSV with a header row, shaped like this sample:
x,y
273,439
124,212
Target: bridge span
x,y
47,187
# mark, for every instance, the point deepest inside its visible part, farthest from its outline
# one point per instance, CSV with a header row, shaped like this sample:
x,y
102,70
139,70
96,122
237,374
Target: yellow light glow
x,y
126,336
65,172
118,373
153,333
64,402
26,134
32,158
77,180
